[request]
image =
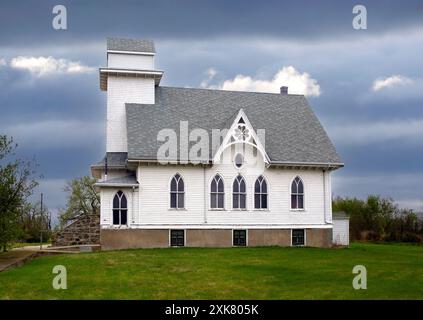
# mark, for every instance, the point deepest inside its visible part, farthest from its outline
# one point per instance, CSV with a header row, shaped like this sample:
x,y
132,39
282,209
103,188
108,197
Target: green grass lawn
x,y
394,271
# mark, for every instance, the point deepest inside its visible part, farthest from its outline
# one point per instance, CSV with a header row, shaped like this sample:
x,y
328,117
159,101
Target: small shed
x,y
341,229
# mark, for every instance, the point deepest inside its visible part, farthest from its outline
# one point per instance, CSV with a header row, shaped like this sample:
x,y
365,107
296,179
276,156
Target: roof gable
x,y
241,131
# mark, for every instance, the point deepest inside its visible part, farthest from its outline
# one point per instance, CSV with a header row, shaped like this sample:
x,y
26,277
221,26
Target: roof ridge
x,y
236,91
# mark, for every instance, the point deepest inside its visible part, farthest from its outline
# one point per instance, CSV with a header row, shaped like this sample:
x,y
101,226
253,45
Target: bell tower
x,y
130,77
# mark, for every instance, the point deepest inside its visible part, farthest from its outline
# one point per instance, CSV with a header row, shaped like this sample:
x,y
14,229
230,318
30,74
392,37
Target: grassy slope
x,y
394,271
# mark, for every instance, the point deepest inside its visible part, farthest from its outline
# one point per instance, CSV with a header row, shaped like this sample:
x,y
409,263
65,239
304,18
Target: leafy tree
x,y
33,221
378,218
83,199
16,185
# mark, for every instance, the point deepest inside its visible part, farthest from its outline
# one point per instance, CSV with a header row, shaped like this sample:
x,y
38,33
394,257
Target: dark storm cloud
x,y
88,20
66,96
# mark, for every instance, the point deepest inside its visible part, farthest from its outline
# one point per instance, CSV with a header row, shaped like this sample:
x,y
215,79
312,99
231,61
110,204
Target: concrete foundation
x,y
319,238
113,239
269,237
209,238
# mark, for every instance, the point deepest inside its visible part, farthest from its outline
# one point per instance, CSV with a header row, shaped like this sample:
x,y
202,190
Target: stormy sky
x,y
366,86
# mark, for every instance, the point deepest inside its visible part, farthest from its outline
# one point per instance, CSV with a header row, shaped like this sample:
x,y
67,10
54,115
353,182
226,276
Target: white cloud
x,y
298,83
377,132
43,66
210,73
2,62
391,81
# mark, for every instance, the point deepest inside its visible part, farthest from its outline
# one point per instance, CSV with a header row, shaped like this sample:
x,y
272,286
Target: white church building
x,y
208,168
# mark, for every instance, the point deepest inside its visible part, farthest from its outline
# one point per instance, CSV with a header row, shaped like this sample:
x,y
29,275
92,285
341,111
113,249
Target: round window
x,y
238,160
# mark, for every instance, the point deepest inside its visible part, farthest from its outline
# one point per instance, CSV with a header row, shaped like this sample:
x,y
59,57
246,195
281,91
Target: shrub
x,y
380,219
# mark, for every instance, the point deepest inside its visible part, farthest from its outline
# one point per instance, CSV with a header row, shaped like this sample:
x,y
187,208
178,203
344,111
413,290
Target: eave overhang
x,y
116,185
146,74
142,53
283,164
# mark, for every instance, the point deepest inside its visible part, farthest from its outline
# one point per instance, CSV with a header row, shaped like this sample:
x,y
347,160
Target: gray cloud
x,y
401,131
53,134
198,19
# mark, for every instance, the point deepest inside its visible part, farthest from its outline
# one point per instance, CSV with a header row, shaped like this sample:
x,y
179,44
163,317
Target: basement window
x,y
177,238
298,238
240,238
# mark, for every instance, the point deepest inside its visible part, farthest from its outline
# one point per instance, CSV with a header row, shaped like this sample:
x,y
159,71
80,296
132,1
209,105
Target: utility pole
x,y
41,227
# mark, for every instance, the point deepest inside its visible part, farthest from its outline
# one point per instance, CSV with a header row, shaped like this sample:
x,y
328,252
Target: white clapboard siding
x,y
106,206
121,90
341,234
130,61
153,199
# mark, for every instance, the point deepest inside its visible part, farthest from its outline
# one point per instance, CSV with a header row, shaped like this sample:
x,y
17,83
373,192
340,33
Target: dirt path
x,y
15,258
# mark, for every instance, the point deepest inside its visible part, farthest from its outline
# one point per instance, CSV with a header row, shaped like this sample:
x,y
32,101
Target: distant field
x,y
395,271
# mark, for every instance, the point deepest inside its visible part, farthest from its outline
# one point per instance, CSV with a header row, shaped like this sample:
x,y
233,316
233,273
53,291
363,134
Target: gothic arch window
x,y
120,209
177,192
239,193
238,160
217,193
260,193
297,194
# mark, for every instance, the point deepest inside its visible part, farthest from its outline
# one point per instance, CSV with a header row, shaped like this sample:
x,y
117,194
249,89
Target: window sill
x,y
176,209
216,209
297,210
262,210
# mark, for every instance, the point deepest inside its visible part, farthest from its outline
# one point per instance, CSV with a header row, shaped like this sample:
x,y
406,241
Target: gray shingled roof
x,y
340,215
120,181
114,159
121,44
293,132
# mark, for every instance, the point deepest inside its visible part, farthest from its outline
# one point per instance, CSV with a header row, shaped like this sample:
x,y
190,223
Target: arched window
x,y
120,209
239,193
297,194
217,193
238,160
177,192
260,193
